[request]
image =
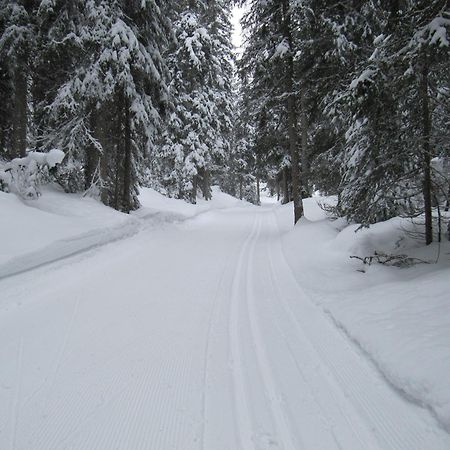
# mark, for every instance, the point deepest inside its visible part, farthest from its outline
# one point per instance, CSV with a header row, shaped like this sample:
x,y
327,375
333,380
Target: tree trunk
x,y
258,190
306,189
127,159
20,110
241,192
206,185
92,156
102,136
194,189
286,198
292,115
426,154
118,149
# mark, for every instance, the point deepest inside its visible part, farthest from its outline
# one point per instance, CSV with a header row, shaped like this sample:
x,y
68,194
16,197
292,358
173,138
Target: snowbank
x,y
154,202
400,318
57,225
54,226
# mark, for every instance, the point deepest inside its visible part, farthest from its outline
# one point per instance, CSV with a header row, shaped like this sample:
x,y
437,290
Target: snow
x,y
366,76
281,49
58,225
438,31
53,226
215,326
398,317
54,157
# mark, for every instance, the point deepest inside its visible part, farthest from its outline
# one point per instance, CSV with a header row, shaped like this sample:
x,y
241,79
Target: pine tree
x,y
109,110
17,42
387,110
201,71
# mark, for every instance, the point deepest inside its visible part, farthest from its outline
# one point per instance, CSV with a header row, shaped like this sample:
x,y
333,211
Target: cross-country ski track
x,y
195,335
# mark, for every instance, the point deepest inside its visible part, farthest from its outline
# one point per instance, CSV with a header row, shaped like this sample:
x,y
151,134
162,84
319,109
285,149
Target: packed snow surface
x,y
215,326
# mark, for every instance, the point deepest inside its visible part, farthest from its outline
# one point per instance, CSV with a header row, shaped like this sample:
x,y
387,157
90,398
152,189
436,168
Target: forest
x,y
224,224
349,98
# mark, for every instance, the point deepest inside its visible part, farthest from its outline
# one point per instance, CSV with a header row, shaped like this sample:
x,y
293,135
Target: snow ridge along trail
x,y
395,422
192,337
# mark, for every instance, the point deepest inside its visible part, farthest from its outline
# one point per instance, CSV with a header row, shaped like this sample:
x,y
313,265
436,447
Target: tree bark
x,y
101,135
258,190
127,159
194,189
426,151
306,189
206,184
292,115
20,114
286,198
92,156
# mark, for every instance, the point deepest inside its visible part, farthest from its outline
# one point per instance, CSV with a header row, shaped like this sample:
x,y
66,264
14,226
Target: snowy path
x,y
195,336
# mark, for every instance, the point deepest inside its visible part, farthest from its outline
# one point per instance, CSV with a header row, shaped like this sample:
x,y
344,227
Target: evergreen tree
x,y
17,43
388,109
109,110
201,71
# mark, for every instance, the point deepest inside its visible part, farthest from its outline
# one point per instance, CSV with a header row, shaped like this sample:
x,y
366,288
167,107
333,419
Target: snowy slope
x,y
400,318
205,330
58,225
54,226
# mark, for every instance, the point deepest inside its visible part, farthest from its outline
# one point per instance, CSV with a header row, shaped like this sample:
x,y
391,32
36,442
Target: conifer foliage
x,y
357,94
348,98
201,72
92,78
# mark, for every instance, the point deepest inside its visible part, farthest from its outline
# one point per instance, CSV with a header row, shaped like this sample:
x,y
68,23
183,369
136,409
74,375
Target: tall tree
x,y
17,42
201,77
110,107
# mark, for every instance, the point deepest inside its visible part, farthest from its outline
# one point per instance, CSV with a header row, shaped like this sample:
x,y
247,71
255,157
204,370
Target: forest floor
x,y
216,327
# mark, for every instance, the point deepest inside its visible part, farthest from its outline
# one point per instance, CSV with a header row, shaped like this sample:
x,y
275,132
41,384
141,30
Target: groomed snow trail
x,y
195,336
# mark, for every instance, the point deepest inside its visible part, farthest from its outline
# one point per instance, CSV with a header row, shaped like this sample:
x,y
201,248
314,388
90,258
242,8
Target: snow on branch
x,y
24,175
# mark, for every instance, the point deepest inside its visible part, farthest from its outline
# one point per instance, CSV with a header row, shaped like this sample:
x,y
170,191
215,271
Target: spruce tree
x,y
201,74
17,44
108,112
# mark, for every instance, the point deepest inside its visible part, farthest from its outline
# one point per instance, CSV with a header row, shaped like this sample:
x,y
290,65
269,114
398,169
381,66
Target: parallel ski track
x,y
242,408
282,426
313,388
218,301
396,423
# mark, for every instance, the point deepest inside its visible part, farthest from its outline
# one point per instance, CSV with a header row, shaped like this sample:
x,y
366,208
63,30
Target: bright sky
x,y
237,14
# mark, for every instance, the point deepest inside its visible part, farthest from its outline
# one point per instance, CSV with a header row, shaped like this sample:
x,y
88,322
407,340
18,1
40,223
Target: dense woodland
x,y
348,98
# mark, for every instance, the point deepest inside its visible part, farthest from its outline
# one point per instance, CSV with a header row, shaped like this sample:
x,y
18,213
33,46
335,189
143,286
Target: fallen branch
x,y
390,260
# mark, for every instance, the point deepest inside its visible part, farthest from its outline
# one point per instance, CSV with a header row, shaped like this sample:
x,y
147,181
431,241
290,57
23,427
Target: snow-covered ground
x,y
217,327
58,225
400,318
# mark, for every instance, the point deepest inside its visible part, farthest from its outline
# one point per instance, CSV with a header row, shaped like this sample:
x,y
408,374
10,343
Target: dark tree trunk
x,y
306,189
92,155
119,153
106,132
127,159
286,197
426,153
194,189
206,184
258,190
101,135
292,115
20,113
